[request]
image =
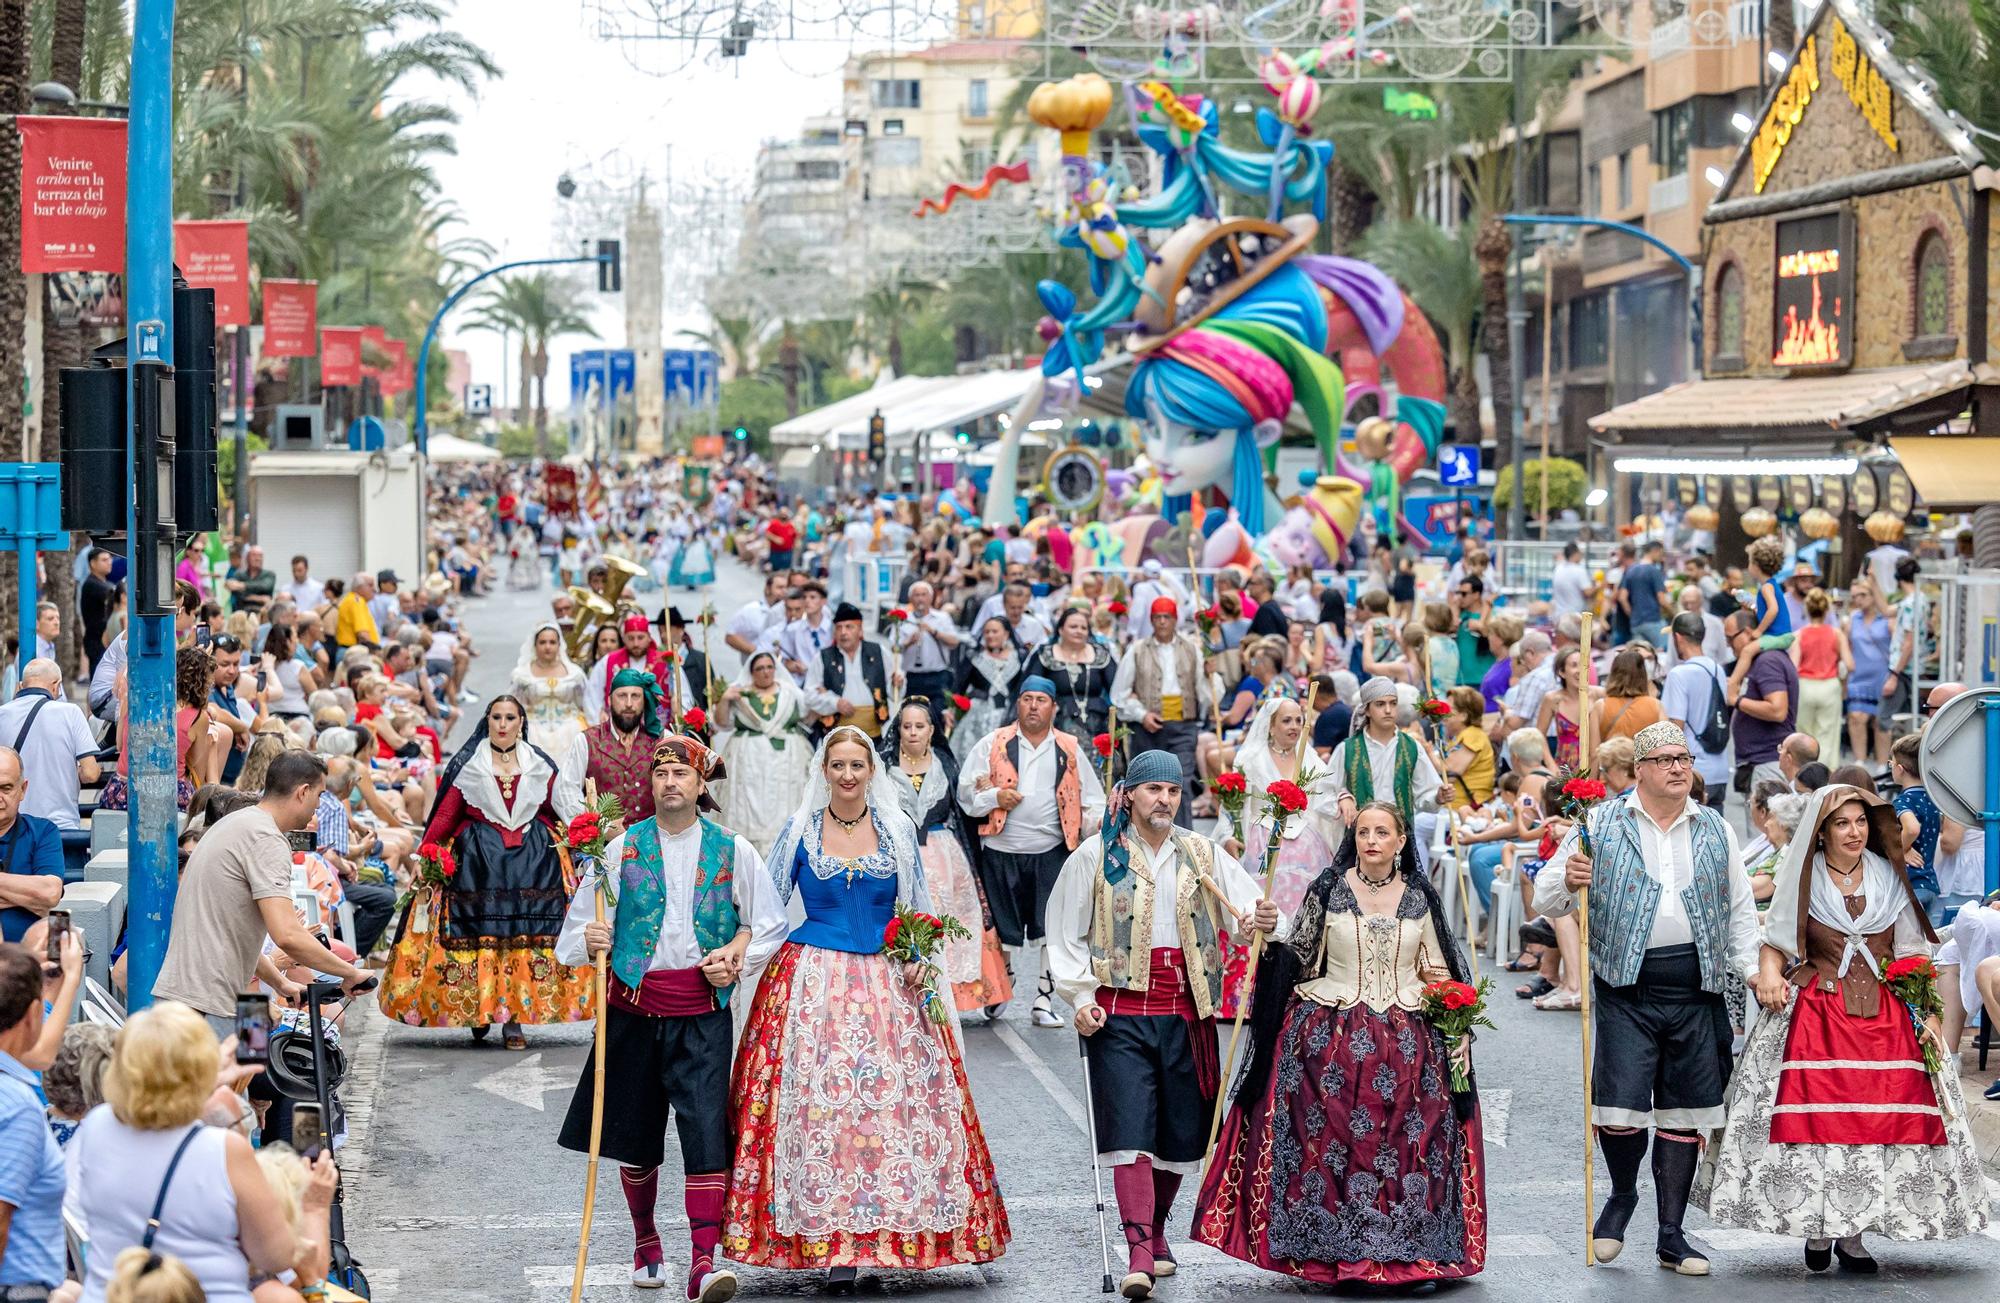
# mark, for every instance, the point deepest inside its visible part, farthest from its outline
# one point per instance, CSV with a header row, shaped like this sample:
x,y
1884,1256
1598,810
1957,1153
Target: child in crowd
x,y
1921,818
1774,619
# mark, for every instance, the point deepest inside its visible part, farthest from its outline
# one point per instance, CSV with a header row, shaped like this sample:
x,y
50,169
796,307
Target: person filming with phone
x,y
236,890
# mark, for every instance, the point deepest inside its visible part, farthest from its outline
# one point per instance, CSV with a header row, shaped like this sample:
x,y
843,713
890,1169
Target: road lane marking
x,y
1065,1098
524,1082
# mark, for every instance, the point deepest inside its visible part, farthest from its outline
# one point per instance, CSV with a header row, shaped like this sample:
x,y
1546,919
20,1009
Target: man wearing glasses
x,y
237,712
1671,918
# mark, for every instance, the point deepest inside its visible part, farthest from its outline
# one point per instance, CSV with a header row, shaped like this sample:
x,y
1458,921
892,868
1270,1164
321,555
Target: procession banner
x,y
400,376
374,351
216,255
340,356
291,318
72,194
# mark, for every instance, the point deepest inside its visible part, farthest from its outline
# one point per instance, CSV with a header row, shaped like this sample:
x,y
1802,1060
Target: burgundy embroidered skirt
x,y
1854,1081
1353,1165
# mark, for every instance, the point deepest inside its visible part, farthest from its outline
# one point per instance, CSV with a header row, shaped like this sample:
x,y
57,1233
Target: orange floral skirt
x,y
857,1143
430,984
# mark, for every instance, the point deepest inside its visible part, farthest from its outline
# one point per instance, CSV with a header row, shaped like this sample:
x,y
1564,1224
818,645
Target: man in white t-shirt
x,y
745,632
306,592
1570,589
57,748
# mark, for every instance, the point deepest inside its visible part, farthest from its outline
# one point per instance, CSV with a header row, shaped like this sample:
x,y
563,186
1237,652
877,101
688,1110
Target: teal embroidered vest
x,y
642,899
1121,926
1360,772
1624,897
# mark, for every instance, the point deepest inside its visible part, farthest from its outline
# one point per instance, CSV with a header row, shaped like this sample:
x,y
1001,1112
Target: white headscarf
x,y
1798,895
791,699
524,663
883,803
1260,766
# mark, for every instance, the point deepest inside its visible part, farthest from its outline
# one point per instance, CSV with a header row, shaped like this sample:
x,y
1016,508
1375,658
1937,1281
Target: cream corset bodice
x,y
1380,960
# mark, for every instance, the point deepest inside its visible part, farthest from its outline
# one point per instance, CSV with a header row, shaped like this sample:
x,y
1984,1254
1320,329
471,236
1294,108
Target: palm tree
x,y
734,338
541,306
1439,271
886,309
1958,45
13,285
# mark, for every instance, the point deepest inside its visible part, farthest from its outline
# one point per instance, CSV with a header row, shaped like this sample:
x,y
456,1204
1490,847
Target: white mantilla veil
x,y
883,803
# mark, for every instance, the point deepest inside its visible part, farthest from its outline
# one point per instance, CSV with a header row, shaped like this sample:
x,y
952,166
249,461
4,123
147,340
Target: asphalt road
x,y
457,1191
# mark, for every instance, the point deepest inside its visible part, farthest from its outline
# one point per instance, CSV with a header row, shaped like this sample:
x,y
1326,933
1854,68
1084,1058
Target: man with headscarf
x,y
848,681
1381,762
637,650
1153,584
688,909
1671,918
621,746
1133,941
1037,794
1160,688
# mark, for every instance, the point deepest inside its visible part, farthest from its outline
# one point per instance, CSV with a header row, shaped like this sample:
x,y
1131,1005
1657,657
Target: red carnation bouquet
x,y
1210,622
1575,793
1285,798
1913,980
1232,793
913,937
436,865
960,702
590,832
1104,744
892,619
1119,609
1434,708
1455,1008
694,722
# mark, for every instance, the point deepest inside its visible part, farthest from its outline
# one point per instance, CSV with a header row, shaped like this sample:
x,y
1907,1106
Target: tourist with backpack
x,y
1693,697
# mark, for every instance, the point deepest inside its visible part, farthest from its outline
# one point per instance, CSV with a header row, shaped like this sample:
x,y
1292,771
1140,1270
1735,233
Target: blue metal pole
x,y
1990,812
149,705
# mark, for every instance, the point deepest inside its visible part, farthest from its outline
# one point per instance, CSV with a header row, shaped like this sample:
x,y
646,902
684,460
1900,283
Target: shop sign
x,y
1866,493
1798,492
1711,490
216,256
1902,495
1864,84
1833,493
1812,295
1787,107
72,194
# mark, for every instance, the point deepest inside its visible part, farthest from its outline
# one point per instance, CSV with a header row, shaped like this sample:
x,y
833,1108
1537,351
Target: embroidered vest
x,y
1358,771
1146,676
642,899
1624,896
1003,767
1121,924
869,715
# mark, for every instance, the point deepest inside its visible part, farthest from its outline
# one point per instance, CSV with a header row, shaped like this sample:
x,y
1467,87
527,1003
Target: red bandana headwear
x,y
1165,606
637,623
679,748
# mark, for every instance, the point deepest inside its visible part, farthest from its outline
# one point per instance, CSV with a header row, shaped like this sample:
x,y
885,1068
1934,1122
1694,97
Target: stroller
x,y
306,1066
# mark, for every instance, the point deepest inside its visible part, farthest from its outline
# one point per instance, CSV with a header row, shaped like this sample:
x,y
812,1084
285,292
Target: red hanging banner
x,y
72,194
340,356
216,255
374,351
400,376
291,318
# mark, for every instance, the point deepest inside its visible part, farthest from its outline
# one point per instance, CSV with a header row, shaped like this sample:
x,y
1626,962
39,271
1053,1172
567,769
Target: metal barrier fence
x,y
1524,568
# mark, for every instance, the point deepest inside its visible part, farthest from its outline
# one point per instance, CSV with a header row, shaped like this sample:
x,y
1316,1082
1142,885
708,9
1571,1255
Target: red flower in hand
x,y
1213,613
580,837
899,613
1291,798
1584,789
696,718
890,933
1231,782
1435,708
1103,744
1909,966
961,703
1119,608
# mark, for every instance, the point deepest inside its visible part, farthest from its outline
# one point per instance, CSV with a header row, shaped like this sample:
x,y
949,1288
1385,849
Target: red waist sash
x,y
665,993
1167,995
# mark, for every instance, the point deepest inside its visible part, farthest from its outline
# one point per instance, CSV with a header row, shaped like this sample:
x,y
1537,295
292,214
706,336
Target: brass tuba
x,y
622,573
591,611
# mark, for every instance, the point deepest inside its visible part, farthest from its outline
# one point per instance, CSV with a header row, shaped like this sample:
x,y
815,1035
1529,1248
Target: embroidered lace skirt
x,y
857,1143
1353,1166
1924,1191
976,967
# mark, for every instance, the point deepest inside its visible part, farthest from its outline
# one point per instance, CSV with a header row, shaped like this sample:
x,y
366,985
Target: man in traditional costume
x,y
1036,792
1671,917
848,683
620,747
1133,941
1161,689
637,650
690,908
1380,762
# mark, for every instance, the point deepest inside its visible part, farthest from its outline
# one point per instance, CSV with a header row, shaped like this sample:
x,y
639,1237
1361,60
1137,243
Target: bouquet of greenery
x,y
916,938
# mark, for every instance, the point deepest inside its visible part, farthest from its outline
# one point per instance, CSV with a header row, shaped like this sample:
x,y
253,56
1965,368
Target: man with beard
x,y
621,746
690,908
1133,942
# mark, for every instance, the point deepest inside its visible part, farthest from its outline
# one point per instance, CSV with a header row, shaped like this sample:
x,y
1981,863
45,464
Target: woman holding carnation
x,y
1844,1116
1348,1154
478,947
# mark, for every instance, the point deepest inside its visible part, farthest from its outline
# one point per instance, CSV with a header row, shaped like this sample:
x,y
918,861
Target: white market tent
x,y
844,424
449,447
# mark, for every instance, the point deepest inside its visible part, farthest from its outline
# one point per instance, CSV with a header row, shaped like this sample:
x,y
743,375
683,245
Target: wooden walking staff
x,y
1583,926
1257,938
601,966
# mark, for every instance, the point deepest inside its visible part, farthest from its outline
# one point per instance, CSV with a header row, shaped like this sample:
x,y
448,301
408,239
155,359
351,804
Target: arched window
x,y
1932,315
1729,316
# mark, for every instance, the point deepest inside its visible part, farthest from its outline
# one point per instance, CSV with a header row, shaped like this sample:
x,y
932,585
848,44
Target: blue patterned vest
x,y
642,899
1121,925
1624,897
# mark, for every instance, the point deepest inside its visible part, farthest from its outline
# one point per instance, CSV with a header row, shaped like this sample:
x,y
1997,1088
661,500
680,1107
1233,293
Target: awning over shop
x,y
797,463
1950,472
850,414
1903,397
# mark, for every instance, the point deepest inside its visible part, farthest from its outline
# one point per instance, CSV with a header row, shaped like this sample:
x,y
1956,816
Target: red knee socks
x,y
704,1197
642,1188
1165,1186
1133,1183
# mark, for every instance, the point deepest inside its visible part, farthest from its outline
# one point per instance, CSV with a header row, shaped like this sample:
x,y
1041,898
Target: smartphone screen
x,y
308,1130
253,1028
58,929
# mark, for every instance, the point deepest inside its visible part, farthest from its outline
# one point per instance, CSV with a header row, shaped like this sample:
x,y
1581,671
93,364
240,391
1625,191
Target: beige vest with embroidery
x,y
1146,675
1121,924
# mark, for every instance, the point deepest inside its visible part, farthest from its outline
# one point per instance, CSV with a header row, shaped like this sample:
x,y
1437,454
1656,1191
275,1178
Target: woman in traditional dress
x,y
1346,1155
987,677
1082,670
551,689
857,1143
1835,1128
694,564
481,950
764,750
926,782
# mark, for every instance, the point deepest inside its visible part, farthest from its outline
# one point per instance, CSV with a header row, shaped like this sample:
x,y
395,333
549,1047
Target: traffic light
x,y
610,269
878,441
741,434
964,437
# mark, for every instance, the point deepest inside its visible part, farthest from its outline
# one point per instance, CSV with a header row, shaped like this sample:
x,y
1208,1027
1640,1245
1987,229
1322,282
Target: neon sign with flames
x,y
1813,294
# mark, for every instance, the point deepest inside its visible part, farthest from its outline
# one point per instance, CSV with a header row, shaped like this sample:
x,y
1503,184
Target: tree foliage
x,y
1567,485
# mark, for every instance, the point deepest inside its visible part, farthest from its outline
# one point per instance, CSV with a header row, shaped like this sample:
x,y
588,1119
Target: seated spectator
x,y
220,1216
31,1161
305,1193
1853,776
1811,777
347,850
74,1083
57,747
31,857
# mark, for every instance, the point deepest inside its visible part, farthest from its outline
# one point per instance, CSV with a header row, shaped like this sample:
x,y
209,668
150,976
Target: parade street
x,y
457,1190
